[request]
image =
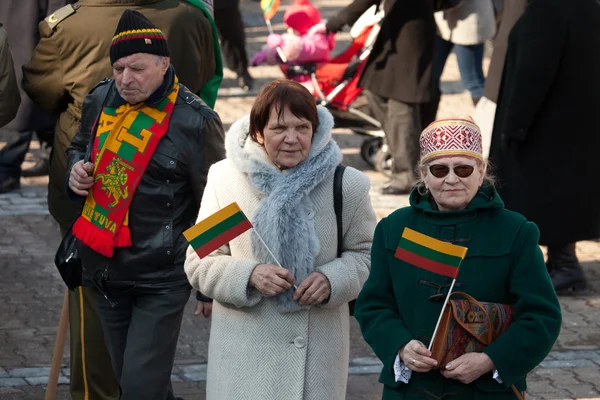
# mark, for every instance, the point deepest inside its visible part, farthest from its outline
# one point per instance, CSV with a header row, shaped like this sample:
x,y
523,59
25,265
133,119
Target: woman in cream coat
x,y
268,339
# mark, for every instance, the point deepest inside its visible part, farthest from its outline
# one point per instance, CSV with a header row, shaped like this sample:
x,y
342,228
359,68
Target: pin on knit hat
x,y
136,34
451,137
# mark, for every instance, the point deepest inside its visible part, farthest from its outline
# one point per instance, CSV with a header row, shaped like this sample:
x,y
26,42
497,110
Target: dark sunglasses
x,y
440,171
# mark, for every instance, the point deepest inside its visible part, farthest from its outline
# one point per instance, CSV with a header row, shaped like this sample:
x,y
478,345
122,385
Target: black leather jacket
x,y
167,199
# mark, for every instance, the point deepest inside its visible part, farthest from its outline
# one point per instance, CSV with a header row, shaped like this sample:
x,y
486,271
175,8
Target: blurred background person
x,y
10,98
398,78
233,40
545,140
485,110
464,30
21,19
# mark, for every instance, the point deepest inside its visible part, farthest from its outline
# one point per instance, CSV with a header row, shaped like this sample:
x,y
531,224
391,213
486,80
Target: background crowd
x,y
536,107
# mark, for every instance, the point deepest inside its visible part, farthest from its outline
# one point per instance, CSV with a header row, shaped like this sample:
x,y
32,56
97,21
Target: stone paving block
x,y
529,397
10,382
9,392
366,361
552,392
43,380
29,372
543,372
588,375
3,373
193,373
574,355
565,378
583,391
567,364
365,370
538,386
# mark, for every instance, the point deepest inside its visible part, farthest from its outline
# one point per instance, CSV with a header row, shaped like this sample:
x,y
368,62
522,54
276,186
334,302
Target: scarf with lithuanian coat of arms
x,y
125,140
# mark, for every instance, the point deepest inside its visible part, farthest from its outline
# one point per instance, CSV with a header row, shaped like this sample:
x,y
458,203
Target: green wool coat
x,y
503,264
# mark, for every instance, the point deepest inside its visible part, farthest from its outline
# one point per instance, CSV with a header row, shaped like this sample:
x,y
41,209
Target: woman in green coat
x,y
400,303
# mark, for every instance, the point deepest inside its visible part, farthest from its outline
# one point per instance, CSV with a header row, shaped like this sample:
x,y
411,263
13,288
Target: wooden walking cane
x,y
59,348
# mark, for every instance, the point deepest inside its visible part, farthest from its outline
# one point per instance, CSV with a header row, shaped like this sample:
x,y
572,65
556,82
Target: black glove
x,y
203,298
334,25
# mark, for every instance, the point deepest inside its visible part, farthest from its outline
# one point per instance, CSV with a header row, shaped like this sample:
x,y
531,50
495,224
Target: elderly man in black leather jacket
x,y
153,143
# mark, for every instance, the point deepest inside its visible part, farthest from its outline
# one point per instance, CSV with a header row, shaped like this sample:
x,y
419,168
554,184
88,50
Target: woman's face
x,y
287,139
453,192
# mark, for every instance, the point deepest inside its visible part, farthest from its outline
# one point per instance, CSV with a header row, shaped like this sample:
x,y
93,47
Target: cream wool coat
x,y
472,23
255,351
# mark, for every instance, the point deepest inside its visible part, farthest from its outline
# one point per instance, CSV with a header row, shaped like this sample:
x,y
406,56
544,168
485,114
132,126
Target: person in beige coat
x,y
465,29
283,332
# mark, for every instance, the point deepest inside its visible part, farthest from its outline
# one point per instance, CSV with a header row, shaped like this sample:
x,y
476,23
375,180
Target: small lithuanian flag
x,y
269,8
431,254
217,230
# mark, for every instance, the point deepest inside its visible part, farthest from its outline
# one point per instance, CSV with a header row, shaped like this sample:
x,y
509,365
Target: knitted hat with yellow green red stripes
x,y
136,34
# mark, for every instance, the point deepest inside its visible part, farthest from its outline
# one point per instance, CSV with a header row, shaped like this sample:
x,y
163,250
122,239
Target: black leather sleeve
x,y
210,149
90,111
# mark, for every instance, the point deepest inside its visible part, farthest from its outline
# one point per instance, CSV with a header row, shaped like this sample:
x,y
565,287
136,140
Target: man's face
x,y
139,75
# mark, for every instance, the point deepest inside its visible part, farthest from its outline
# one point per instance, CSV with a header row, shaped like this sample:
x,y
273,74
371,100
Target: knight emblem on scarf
x,y
113,181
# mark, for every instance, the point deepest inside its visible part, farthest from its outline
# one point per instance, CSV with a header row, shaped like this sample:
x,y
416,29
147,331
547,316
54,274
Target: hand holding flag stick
x,y
219,229
269,8
432,255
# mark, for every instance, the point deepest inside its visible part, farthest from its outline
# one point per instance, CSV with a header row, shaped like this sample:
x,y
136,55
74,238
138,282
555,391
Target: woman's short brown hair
x,y
281,93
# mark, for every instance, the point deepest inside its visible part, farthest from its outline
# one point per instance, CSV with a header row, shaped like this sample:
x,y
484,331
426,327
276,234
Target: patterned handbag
x,y
469,326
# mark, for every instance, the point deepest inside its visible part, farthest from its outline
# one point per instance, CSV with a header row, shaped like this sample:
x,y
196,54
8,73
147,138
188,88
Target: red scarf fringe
x,y
98,240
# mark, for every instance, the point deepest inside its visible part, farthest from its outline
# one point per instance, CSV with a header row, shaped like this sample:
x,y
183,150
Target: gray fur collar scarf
x,y
281,216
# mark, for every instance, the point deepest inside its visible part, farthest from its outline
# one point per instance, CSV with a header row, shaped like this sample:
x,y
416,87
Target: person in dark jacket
x,y
456,203
485,110
151,149
398,78
69,60
9,90
545,136
233,40
21,19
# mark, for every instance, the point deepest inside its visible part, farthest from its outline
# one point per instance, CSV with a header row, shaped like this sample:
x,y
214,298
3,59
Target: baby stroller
x,y
335,86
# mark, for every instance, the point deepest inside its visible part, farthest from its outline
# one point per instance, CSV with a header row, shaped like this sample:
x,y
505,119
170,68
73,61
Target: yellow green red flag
x,y
217,230
431,254
269,8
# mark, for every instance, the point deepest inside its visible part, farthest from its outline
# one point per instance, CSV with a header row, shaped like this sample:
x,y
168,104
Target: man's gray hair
x,y
159,59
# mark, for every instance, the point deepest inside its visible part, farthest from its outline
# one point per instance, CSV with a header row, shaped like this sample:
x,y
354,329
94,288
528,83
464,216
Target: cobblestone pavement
x,y
31,291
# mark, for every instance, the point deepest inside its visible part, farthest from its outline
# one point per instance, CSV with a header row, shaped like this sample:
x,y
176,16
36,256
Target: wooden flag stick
x,y
59,348
279,51
270,252
441,313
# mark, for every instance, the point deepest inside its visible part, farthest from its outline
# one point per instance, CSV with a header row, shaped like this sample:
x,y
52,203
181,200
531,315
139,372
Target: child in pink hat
x,y
303,43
